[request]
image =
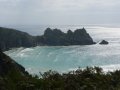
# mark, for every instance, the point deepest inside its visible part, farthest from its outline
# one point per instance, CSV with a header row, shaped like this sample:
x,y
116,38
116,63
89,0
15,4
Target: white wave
x,y
72,69
27,50
106,68
50,53
113,67
22,55
32,70
23,52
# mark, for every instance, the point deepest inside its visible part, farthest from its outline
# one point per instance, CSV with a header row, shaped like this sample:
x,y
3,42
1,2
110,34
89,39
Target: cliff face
x,y
10,38
13,76
7,65
54,37
80,37
57,37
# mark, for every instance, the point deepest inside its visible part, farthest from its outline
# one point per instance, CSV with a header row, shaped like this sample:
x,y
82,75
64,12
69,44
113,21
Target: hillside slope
x,y
12,75
10,38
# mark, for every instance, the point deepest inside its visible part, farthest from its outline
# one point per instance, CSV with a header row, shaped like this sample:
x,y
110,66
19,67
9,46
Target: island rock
x,y
104,42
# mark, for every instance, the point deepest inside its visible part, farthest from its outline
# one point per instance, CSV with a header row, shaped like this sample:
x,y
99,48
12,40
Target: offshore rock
x,y
104,42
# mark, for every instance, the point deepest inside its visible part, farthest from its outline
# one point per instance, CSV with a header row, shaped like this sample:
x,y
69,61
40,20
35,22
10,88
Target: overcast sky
x,y
59,12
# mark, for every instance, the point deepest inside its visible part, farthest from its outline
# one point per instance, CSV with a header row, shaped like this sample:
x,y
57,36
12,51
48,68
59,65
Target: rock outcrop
x,y
13,76
104,42
56,37
10,38
7,65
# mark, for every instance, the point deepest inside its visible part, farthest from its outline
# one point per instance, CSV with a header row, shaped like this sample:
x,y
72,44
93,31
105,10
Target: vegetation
x,y
14,77
87,79
81,79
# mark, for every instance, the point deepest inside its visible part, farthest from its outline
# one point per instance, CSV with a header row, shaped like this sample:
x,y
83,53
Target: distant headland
x,y
10,38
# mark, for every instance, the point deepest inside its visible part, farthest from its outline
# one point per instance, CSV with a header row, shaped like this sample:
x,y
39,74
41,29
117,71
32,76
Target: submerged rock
x,y
104,42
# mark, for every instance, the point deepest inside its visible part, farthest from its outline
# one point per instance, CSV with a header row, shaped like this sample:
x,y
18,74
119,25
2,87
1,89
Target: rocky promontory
x,y
11,38
55,37
7,65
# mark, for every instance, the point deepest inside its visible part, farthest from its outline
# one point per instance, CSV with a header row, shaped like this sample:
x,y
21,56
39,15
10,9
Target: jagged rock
x,y
57,37
81,37
104,42
53,37
10,38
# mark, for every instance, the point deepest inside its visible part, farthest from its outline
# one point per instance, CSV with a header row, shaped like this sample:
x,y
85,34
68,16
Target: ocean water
x,y
66,58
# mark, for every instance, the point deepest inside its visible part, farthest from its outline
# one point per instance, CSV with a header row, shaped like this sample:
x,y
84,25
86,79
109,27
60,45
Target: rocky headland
x,y
11,38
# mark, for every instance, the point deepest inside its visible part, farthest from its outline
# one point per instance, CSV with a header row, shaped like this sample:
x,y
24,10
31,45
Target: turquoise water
x,y
66,58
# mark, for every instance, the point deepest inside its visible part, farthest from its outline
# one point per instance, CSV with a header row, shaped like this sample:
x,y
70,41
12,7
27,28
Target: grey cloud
x,y
59,11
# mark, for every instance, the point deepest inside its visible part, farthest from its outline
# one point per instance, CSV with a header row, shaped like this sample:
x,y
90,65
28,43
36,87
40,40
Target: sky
x,y
55,12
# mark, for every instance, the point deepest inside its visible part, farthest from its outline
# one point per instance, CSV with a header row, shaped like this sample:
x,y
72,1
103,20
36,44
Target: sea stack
x,y
104,42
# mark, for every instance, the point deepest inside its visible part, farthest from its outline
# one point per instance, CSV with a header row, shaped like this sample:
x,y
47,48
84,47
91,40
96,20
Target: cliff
x,y
12,75
7,65
10,38
56,37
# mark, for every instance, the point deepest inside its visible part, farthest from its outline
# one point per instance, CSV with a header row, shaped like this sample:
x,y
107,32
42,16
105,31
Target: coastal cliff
x,y
12,75
55,37
11,38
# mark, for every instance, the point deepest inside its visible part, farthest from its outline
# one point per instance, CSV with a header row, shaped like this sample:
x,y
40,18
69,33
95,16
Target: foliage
x,y
90,78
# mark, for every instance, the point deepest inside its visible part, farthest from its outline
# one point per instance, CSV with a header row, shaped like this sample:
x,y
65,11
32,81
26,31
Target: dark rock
x,y
104,42
53,37
57,37
11,38
13,76
81,37
7,64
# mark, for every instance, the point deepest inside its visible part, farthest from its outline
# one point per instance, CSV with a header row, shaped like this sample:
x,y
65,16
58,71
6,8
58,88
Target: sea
x,y
67,58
